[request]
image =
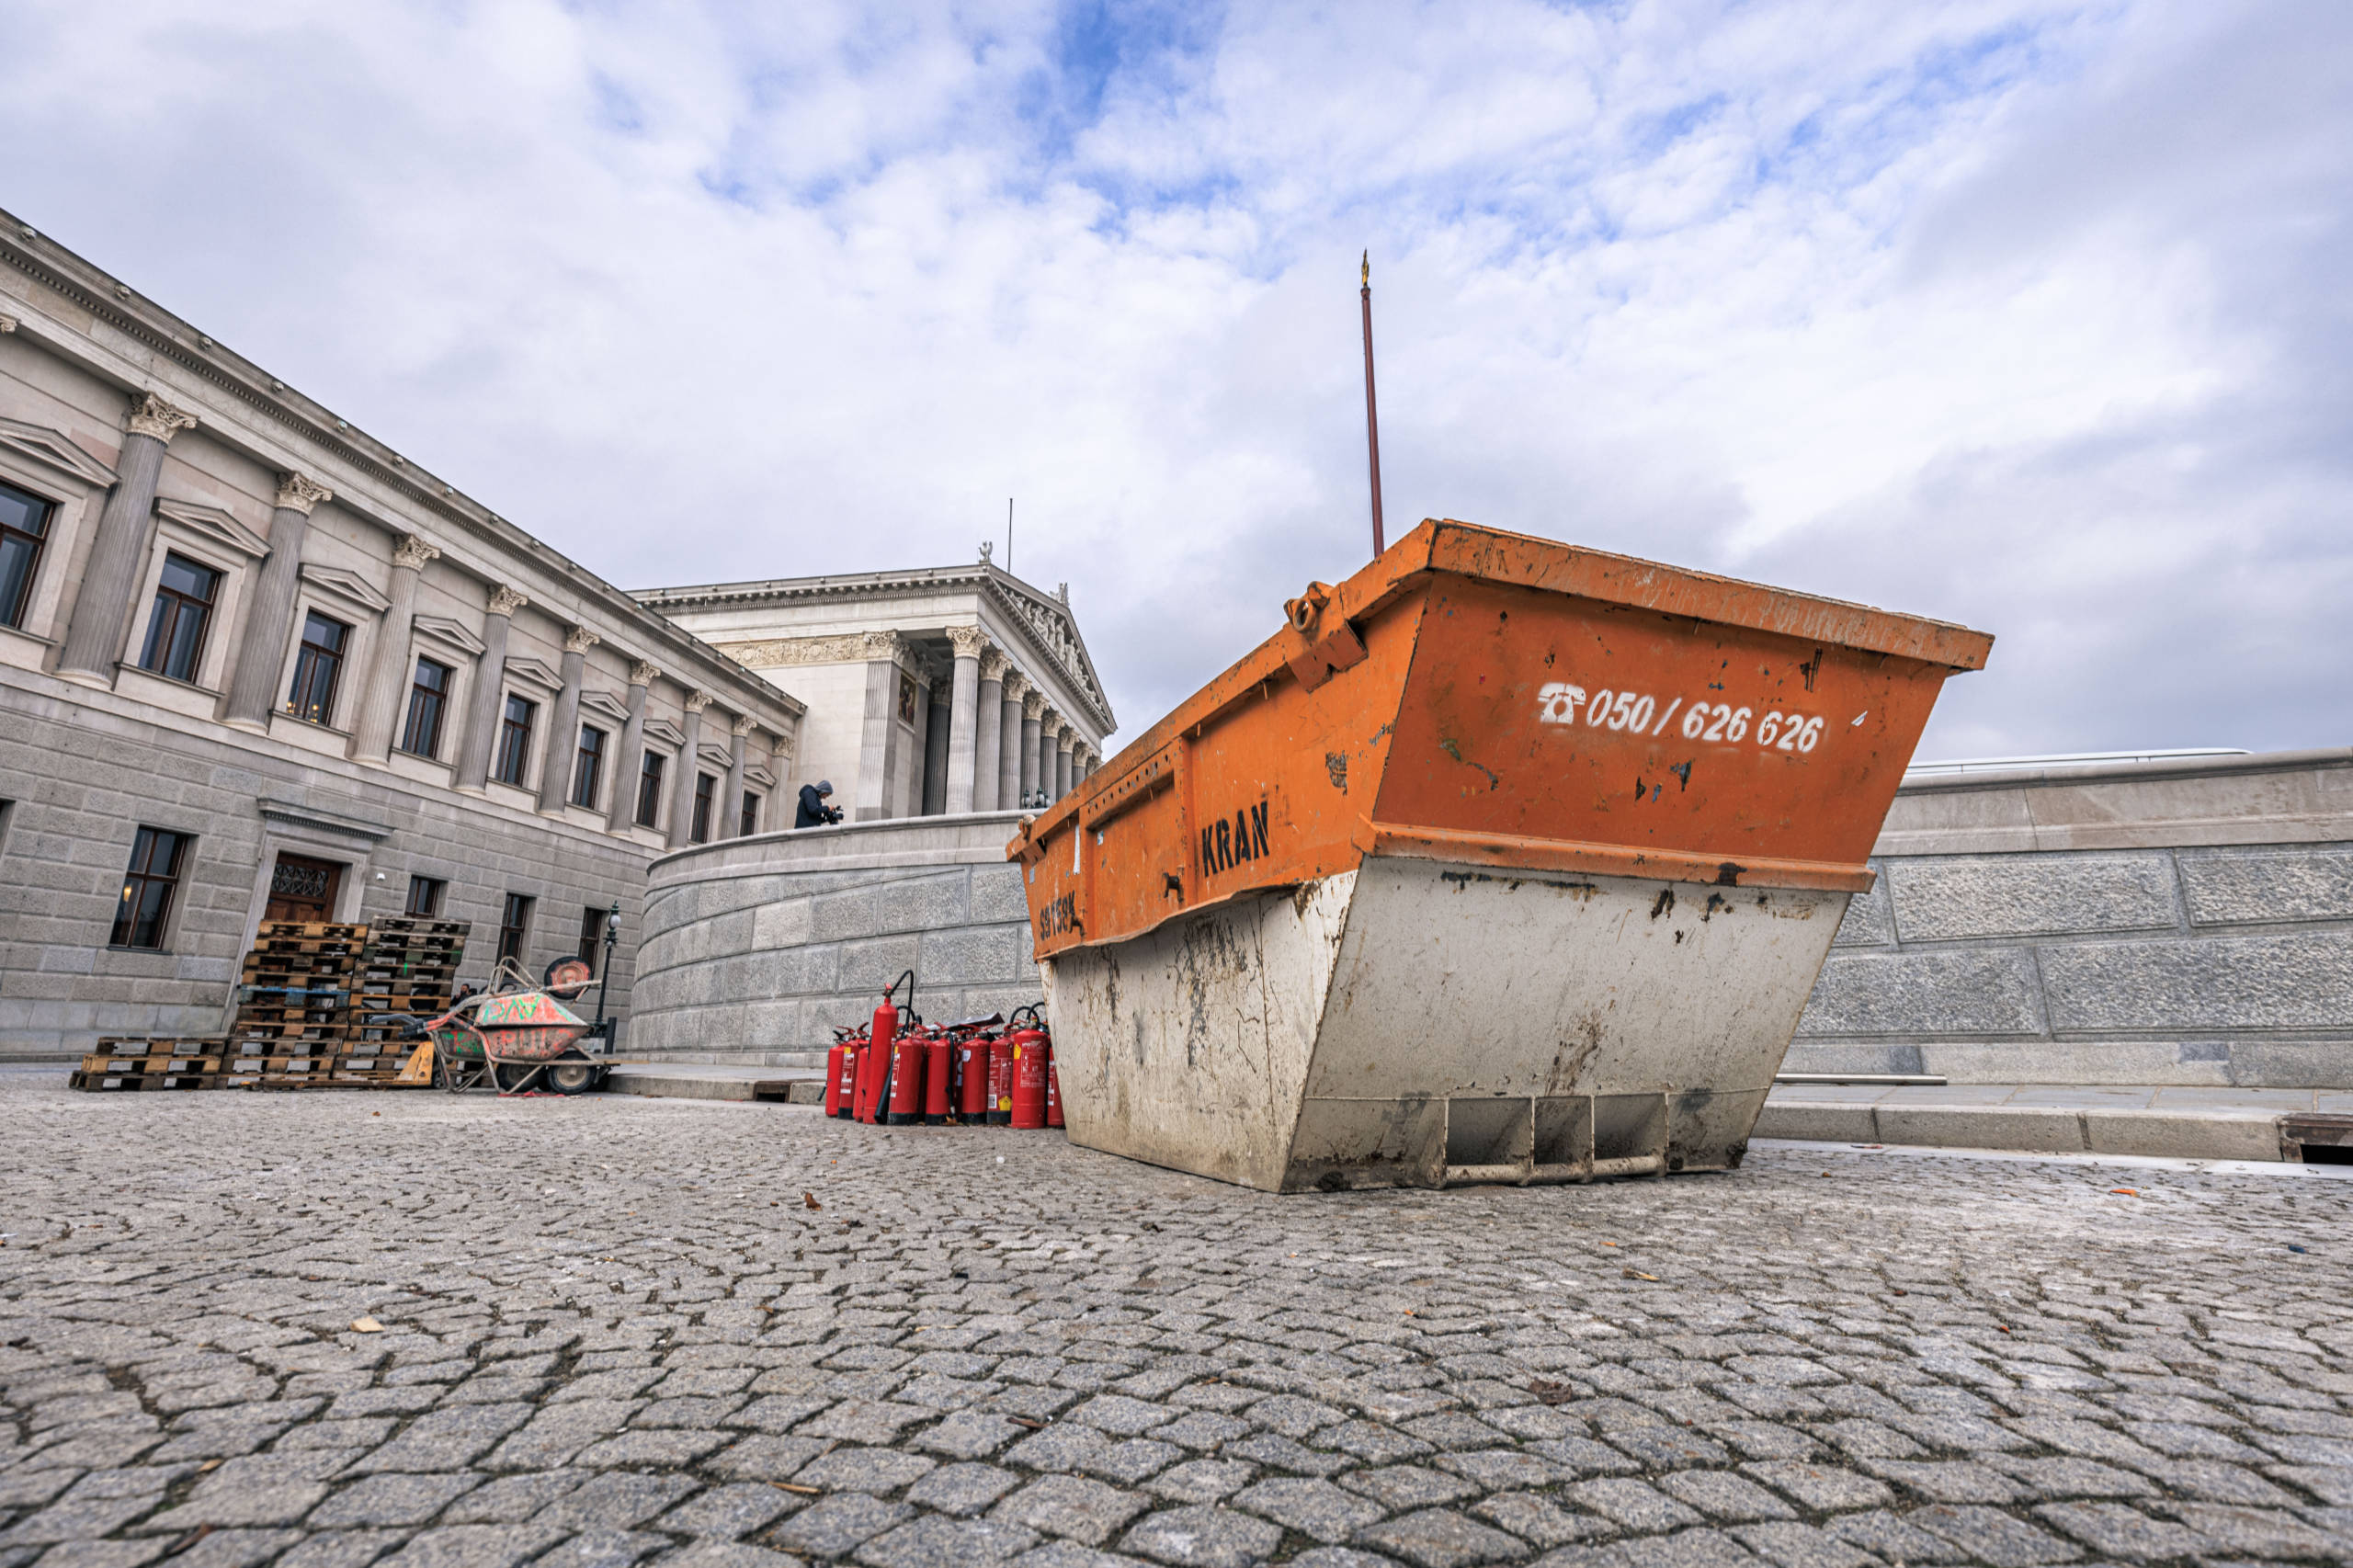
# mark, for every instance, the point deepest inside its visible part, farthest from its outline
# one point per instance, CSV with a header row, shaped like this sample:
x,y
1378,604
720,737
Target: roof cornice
x,y
106,300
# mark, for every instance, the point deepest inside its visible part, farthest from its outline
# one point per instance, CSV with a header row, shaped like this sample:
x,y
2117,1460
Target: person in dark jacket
x,y
812,811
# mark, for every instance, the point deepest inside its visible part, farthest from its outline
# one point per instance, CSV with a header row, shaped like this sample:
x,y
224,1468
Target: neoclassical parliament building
x,y
256,664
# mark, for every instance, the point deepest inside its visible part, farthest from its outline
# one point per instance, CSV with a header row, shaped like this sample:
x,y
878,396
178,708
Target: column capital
x,y
994,664
7,322
969,641
151,415
579,640
743,725
883,644
1017,685
413,553
1033,705
697,700
642,673
300,492
505,600
1050,721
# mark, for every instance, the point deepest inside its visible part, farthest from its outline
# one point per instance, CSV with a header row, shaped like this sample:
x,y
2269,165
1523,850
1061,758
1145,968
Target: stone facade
x,y
929,692
154,479
2153,923
756,949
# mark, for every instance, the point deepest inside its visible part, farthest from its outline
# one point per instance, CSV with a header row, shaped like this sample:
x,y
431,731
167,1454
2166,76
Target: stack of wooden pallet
x,y
310,1001
408,969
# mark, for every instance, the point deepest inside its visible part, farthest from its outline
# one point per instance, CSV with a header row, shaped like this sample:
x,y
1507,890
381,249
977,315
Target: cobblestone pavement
x,y
614,1332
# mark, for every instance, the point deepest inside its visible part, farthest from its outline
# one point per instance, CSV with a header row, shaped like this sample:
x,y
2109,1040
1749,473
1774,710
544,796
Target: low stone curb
x,y
2251,1134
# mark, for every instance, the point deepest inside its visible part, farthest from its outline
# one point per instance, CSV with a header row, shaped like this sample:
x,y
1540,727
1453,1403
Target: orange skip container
x,y
1502,860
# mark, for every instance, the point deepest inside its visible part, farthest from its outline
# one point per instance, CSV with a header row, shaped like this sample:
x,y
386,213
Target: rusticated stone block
x,y
2029,895
2269,886
2302,982
921,904
980,955
1869,921
1977,992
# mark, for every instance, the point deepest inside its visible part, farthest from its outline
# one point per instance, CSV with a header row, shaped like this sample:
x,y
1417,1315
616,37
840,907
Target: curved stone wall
x,y
754,948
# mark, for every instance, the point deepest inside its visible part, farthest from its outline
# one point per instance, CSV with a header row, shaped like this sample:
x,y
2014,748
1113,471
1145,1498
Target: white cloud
x,y
2017,312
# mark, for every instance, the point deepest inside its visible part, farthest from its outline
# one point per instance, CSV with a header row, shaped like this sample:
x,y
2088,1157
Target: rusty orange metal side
x,y
1487,698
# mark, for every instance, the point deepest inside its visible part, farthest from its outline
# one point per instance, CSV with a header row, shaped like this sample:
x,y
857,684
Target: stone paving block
x,y
97,1553
1404,1486
1820,1488
1201,1480
603,1548
1084,1510
934,1542
475,1546
616,1501
342,1549
836,1525
726,1512
1311,1505
877,1471
1720,1495
1993,1537
1440,1538
383,1501
1201,1536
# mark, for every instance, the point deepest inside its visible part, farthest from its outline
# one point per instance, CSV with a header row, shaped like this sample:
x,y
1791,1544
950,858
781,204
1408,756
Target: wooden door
x,y
304,889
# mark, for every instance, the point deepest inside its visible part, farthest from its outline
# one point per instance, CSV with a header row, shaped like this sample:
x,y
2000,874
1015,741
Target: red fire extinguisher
x,y
1000,1105
1030,1079
1053,1087
834,1072
873,1080
906,1079
935,1079
972,1080
841,1094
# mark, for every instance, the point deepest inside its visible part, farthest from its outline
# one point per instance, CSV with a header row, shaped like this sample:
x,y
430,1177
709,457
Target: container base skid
x,y
1416,1023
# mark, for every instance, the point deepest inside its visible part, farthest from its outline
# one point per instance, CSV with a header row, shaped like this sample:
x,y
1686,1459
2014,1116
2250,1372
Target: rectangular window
x,y
176,626
429,698
424,897
24,528
749,823
649,790
514,927
515,739
592,936
588,767
145,909
705,787
317,669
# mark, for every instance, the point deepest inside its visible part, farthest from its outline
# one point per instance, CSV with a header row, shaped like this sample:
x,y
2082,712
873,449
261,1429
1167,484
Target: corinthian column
x,y
379,700
963,726
739,747
269,608
988,729
490,684
629,763
1061,762
682,792
1033,714
102,606
1050,723
564,734
1008,768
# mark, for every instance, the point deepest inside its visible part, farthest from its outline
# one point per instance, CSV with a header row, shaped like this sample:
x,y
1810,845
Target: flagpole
x,y
1371,412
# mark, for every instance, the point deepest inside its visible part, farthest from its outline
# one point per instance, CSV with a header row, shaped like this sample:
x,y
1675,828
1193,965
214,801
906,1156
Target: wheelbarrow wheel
x,y
570,1076
514,1077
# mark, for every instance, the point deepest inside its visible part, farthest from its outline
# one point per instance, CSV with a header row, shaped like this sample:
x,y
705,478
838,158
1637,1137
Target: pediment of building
x,y
348,586
441,629
213,523
606,703
55,449
536,672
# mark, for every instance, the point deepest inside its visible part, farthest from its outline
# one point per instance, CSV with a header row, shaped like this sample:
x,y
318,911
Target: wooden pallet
x,y
251,1038
275,969
414,928
302,931
252,1017
381,978
424,1004
120,1081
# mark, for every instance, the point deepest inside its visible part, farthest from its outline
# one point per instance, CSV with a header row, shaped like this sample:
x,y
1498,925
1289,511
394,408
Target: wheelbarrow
x,y
518,1038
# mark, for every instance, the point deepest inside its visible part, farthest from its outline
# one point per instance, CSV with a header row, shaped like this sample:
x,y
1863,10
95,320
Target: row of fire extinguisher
x,y
901,1072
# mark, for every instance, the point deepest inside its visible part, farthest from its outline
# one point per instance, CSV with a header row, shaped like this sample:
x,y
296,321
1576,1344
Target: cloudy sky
x,y
2027,313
